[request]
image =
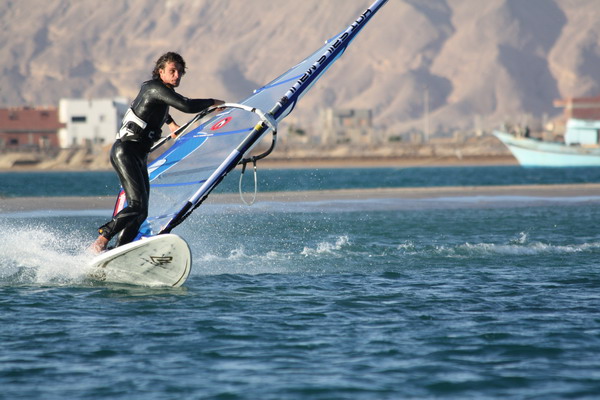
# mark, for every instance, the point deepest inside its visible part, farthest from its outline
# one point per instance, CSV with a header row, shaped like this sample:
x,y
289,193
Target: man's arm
x,y
173,125
181,103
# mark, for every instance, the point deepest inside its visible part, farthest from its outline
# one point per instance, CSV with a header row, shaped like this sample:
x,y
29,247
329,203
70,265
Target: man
x,y
140,129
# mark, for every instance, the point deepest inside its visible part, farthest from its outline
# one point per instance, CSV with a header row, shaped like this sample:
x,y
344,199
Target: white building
x,y
90,122
347,126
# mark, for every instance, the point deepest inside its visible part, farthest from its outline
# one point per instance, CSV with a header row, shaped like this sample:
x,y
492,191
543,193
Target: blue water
x,y
470,298
106,183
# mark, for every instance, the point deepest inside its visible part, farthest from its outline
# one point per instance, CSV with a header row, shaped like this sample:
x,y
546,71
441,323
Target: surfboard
x,y
162,260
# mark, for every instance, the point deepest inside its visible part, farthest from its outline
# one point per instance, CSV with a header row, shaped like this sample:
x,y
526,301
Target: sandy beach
x,y
312,162
558,191
387,162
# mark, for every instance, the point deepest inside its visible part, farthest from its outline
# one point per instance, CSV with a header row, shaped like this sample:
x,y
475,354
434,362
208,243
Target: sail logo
x,y
325,57
220,124
121,201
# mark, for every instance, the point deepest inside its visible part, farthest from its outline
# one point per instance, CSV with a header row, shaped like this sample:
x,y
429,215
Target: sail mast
x,y
333,50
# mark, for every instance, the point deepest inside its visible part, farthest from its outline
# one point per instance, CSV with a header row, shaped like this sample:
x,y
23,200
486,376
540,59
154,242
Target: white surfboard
x,y
163,260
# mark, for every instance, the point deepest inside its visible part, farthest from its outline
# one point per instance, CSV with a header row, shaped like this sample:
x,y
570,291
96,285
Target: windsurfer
x,y
141,128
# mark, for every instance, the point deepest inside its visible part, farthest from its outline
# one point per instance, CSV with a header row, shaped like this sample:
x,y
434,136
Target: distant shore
x,y
558,191
330,162
381,162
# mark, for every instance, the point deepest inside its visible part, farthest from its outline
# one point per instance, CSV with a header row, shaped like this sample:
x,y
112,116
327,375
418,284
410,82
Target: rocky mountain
x,y
472,61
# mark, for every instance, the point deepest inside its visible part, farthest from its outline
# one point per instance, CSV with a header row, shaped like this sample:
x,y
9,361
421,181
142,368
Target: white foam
x,y
327,247
37,254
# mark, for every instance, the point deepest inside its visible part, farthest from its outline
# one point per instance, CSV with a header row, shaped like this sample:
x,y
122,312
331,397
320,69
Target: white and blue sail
x,y
185,174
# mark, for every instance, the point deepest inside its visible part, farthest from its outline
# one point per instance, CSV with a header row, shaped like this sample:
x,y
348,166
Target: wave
x,y
42,254
519,246
327,247
52,251
258,260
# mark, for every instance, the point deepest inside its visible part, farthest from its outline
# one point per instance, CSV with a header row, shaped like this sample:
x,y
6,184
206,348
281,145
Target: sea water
x,y
465,298
104,183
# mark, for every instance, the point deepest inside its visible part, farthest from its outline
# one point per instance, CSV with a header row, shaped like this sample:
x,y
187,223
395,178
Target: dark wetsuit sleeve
x,y
174,99
152,104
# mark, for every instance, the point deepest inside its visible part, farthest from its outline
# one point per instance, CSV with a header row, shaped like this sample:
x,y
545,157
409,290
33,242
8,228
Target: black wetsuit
x,y
129,154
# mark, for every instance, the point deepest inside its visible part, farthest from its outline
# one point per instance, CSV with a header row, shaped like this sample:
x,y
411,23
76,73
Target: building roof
x,y
580,107
29,119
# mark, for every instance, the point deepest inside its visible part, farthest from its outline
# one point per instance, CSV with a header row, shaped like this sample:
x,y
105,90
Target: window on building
x,y
78,119
44,142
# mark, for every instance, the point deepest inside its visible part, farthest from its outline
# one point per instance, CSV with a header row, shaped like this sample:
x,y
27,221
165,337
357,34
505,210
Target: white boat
x,y
579,149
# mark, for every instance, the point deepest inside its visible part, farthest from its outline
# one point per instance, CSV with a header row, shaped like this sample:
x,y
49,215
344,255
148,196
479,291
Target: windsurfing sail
x,y
185,174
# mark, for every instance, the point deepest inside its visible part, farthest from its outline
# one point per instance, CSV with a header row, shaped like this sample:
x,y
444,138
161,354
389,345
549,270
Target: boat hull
x,y
537,153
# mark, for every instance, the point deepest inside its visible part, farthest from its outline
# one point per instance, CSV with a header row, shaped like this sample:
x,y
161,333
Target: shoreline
x,y
390,162
327,162
564,191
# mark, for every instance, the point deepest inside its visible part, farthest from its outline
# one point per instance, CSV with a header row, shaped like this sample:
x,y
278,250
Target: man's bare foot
x,y
99,245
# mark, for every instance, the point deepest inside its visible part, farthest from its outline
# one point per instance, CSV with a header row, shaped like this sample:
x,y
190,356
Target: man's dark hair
x,y
167,58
